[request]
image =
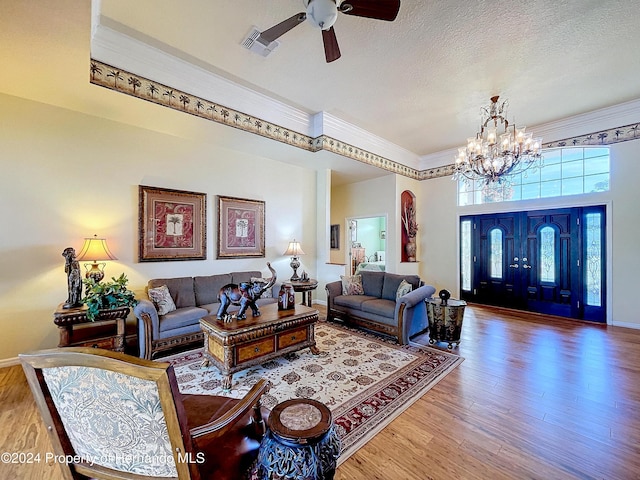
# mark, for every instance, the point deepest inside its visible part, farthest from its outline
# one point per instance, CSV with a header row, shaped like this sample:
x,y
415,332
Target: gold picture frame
x,y
172,225
240,227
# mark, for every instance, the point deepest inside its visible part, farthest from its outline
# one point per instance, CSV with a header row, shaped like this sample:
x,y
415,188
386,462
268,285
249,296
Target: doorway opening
x,y
367,243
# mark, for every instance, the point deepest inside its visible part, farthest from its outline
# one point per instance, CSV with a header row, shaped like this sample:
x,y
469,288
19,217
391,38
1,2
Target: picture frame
x,y
335,237
240,227
172,225
353,227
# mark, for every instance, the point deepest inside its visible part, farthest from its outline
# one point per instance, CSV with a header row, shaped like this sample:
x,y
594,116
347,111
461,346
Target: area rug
x,y
365,380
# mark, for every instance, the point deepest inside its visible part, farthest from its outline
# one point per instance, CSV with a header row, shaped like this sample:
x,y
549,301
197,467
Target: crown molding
x,y
125,61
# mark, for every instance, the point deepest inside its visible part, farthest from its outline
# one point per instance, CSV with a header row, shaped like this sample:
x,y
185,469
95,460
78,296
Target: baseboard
x,y
9,362
635,326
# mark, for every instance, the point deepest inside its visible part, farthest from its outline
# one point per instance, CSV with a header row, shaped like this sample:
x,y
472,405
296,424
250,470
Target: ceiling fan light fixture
x,y
322,13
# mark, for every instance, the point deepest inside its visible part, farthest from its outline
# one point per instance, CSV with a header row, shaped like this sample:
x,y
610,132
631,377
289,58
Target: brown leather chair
x,y
111,415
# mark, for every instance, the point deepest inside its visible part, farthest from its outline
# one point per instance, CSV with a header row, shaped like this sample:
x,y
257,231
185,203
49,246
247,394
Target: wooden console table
x,y
236,345
72,321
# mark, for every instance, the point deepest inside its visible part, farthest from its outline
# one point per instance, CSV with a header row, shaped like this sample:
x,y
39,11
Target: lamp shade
x,y
95,249
294,249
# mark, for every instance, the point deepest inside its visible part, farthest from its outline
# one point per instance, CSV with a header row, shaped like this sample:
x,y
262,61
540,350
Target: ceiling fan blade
x,y
280,29
378,9
331,48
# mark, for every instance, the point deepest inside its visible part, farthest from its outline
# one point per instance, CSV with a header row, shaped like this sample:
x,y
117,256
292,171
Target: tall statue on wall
x,y
74,278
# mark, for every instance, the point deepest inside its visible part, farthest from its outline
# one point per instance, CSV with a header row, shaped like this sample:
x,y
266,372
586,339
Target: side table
x,y
300,443
445,320
68,319
306,287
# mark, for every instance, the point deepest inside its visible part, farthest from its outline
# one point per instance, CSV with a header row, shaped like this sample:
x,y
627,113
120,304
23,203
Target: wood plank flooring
x,y
537,397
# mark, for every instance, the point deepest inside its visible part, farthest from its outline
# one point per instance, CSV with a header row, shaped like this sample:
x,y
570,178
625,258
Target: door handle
x,y
514,265
526,266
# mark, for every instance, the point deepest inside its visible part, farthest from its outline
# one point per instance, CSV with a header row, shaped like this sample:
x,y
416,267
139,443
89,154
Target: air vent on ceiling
x,y
254,43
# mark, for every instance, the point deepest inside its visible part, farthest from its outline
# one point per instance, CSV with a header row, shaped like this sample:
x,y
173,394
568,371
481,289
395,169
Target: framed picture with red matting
x,y
172,225
240,227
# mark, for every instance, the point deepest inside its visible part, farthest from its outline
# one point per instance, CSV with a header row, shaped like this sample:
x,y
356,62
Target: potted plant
x,y
101,296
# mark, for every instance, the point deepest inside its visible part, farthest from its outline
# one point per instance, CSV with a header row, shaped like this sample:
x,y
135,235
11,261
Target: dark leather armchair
x,y
112,416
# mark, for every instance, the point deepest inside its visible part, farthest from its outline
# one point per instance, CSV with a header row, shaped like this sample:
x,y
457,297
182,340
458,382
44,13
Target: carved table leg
x,y
314,350
226,381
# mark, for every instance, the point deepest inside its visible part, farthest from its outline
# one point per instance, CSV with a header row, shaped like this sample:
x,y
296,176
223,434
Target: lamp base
x,y
295,263
94,271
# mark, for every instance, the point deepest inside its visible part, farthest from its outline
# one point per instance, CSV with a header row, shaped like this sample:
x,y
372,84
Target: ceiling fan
x,y
324,13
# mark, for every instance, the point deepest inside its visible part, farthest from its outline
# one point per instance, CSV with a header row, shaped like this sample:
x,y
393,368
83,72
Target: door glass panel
x,y
465,254
547,255
495,260
594,259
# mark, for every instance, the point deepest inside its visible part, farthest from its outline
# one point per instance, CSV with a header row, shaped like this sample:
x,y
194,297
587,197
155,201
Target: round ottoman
x,y
300,443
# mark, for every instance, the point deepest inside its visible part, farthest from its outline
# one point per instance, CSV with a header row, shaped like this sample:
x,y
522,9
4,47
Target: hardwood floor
x,y
536,398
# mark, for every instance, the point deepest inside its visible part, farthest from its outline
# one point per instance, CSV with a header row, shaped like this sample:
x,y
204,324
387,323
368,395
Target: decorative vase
x,y
410,249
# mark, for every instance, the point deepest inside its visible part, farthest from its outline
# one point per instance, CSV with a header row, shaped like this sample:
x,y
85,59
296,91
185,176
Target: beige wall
x,y
67,175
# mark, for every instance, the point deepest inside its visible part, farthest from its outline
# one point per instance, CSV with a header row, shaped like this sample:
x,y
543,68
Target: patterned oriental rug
x,y
365,381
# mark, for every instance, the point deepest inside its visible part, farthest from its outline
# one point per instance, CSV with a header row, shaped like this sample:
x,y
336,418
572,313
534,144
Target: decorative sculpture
x,y
243,295
74,278
444,295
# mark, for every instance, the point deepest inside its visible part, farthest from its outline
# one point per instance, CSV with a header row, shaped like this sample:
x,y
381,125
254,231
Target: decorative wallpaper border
x,y
137,86
603,137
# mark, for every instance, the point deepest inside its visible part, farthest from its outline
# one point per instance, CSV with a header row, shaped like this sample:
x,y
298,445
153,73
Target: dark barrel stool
x,y
300,443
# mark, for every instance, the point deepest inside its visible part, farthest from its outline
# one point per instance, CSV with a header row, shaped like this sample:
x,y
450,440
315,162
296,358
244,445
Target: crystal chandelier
x,y
489,157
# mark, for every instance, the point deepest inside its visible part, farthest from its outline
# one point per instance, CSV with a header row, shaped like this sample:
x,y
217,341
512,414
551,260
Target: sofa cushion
x,y
207,288
182,317
404,288
392,281
351,285
352,301
379,306
239,277
181,289
372,283
161,298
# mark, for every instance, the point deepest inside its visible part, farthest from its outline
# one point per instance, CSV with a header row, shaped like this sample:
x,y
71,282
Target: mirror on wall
x,y
367,243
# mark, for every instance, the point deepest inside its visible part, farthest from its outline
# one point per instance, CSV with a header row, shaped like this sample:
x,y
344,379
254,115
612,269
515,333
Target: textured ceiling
x,y
417,82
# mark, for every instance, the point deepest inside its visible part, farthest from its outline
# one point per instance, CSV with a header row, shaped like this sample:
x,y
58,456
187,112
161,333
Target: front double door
x,y
548,261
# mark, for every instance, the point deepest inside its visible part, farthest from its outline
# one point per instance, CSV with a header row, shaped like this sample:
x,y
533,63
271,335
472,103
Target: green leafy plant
x,y
107,295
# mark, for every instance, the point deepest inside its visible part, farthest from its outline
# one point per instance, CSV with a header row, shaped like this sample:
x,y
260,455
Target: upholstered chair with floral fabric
x,y
111,415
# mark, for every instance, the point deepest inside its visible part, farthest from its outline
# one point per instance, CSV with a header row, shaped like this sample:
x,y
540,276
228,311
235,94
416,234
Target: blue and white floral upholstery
x,y
112,419
117,416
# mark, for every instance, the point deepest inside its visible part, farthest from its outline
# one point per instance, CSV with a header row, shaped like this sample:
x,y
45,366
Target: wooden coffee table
x,y
236,345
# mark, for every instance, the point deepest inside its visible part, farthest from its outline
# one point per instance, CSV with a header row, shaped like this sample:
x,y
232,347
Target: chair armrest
x,y
148,326
221,424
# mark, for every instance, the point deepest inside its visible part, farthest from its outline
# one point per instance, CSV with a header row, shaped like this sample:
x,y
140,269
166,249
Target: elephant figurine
x,y
243,295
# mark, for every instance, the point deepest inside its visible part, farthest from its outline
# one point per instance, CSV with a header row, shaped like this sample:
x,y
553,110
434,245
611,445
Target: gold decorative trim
x,y
122,81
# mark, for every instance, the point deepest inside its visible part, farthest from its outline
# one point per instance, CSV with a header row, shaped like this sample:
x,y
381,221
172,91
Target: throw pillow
x,y
352,285
404,288
269,292
161,298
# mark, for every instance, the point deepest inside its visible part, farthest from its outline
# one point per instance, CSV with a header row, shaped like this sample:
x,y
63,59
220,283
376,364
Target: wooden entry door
x,y
548,261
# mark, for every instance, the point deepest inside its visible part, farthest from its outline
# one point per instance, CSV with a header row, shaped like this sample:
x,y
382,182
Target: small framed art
x,y
172,225
335,237
240,227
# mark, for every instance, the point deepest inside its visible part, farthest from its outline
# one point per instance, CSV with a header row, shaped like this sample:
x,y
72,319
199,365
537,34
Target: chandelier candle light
x,y
489,159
